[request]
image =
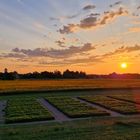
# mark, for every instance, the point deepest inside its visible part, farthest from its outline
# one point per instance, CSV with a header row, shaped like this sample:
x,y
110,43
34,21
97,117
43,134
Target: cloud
x,y
33,53
70,28
135,14
72,50
53,18
107,17
52,53
138,8
71,16
64,56
92,22
134,29
137,22
12,55
89,7
60,43
75,61
133,48
137,56
100,58
122,50
91,59
61,18
88,22
116,3
94,14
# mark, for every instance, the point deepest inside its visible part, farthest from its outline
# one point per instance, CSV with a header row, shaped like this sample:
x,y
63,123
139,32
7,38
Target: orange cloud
x,y
134,29
122,49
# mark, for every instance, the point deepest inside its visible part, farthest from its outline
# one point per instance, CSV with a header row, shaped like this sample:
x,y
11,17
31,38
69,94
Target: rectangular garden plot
x,y
74,108
134,98
25,110
113,104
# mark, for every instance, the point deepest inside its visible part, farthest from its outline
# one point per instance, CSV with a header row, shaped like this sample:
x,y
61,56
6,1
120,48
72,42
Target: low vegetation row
x,y
28,109
74,108
24,110
134,98
113,104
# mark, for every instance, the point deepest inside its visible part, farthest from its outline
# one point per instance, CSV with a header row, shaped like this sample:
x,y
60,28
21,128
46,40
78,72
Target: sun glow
x,y
124,65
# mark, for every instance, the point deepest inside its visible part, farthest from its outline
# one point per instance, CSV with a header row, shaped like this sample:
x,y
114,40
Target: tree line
x,y
44,75
67,74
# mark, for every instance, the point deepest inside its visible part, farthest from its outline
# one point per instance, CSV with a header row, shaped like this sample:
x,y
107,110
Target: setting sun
x,y
124,65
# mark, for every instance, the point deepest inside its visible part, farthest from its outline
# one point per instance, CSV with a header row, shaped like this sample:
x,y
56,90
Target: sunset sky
x,y
94,36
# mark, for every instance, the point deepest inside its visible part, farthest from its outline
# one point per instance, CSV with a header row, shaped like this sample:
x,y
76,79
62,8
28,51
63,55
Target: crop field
x,y
26,117
26,85
74,108
134,98
113,104
25,110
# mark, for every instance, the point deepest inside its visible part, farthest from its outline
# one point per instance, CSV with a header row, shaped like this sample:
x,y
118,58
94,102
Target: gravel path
x,y
59,116
112,113
2,113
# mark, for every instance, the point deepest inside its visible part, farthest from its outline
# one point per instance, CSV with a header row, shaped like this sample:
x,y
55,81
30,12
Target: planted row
x,y
24,110
134,98
113,104
74,108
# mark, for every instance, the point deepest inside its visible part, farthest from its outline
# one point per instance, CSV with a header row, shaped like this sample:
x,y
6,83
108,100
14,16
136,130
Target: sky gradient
x,y
94,36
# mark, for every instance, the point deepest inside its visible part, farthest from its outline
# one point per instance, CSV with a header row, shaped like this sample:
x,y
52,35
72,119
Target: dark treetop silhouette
x,y
65,75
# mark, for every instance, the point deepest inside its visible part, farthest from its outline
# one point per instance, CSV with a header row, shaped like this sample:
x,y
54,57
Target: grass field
x,y
23,85
90,129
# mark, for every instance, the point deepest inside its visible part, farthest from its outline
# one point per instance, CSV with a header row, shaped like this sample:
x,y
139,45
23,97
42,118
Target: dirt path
x,y
2,113
112,113
59,116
